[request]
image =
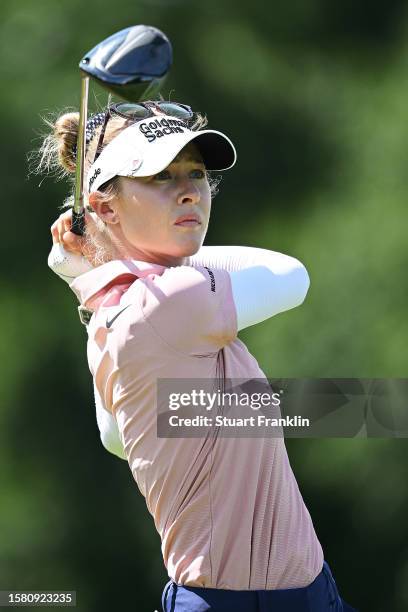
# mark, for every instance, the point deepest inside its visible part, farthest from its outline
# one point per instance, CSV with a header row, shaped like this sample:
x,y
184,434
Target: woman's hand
x,y
61,234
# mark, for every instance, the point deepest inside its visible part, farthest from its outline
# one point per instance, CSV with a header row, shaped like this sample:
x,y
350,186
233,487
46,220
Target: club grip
x,y
78,223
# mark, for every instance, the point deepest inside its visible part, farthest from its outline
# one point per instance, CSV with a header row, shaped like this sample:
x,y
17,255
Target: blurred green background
x,y
315,95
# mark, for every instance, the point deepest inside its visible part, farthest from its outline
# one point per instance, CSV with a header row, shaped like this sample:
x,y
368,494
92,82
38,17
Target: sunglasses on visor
x,y
142,110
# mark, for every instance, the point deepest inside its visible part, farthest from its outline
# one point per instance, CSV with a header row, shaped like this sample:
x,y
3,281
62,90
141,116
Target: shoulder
x,y
192,308
184,285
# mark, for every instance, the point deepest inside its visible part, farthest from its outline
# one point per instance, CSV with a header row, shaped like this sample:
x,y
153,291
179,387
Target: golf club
x,y
132,64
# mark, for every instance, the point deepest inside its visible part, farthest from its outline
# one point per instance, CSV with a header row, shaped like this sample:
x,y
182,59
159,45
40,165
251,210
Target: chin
x,y
190,247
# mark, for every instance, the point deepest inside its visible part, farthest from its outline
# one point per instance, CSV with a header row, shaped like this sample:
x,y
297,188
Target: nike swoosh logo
x,y
109,323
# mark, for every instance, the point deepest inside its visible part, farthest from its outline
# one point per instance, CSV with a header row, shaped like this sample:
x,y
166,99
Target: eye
x,y
164,175
198,173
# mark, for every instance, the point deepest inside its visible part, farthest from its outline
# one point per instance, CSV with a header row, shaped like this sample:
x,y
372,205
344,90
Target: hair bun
x,y
66,130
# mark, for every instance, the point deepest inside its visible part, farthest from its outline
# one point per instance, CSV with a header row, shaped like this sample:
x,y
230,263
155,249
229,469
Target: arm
x,y
264,283
108,429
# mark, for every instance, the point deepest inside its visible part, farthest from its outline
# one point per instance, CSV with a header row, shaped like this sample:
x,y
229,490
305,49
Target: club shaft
x,y
78,211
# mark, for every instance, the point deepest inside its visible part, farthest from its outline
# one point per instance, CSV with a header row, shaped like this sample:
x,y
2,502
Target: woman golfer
x,y
236,534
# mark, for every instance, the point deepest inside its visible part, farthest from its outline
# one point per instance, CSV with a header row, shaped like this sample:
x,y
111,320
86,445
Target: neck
x,y
161,259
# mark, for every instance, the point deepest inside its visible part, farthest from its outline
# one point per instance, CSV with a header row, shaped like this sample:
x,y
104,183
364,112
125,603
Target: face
x,y
145,219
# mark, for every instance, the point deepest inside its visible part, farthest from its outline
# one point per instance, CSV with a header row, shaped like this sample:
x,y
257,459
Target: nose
x,y
188,193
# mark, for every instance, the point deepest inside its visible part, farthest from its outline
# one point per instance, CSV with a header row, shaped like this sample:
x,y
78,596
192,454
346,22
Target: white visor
x,y
149,146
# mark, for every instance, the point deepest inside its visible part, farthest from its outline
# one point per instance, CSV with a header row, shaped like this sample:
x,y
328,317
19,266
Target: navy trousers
x,y
320,596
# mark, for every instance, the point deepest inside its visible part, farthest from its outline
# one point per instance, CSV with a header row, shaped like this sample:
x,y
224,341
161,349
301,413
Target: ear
x,y
105,210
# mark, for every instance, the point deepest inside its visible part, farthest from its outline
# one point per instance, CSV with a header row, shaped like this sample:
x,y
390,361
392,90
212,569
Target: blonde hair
x,y
57,156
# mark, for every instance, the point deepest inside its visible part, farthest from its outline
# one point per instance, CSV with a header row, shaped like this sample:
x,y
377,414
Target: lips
x,y
188,220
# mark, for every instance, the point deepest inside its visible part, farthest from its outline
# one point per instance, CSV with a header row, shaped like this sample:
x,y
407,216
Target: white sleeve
x,y
264,283
108,429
